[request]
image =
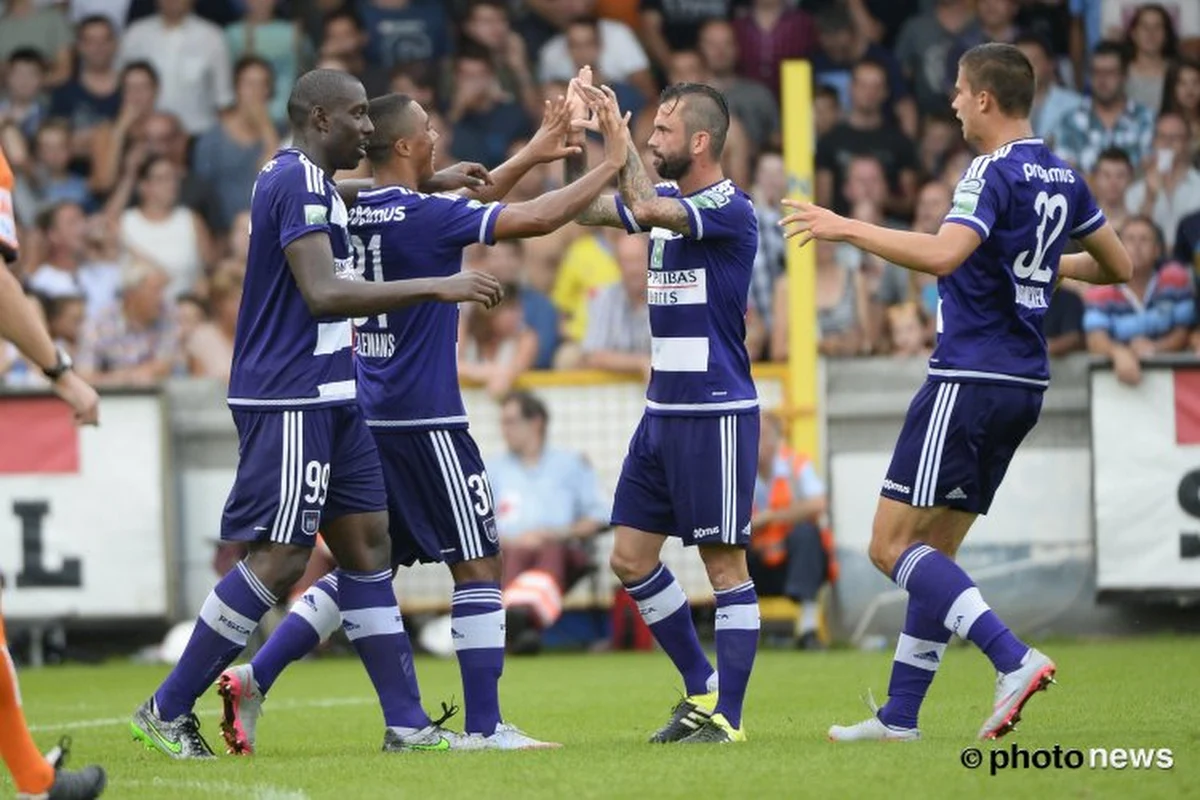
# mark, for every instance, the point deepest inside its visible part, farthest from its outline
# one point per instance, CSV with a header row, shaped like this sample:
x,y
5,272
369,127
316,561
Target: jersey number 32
x,y
1052,209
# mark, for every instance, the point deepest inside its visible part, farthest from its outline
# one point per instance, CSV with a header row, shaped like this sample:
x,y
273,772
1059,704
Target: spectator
x,y
906,330
190,313
163,231
865,132
922,46
27,24
487,23
1151,44
898,285
789,553
941,139
548,505
22,105
133,342
67,271
191,59
770,260
1110,181
506,260
495,346
111,140
1182,96
92,96
1150,314
115,11
1063,323
611,49
485,120
278,42
588,265
1115,16
839,313
995,21
827,110
208,350
343,38
1171,186
672,25
228,156
751,102
405,31
1085,34
1051,100
1110,120
618,330
1187,241
769,34
48,179
843,48
65,317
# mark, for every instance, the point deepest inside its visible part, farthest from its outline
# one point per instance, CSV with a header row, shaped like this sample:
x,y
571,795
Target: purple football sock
x,y
664,607
371,618
312,619
230,614
919,653
948,593
737,627
477,616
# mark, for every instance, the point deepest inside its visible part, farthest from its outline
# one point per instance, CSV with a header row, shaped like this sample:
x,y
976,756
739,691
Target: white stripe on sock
x,y
363,622
966,608
633,588
919,653
478,631
906,568
320,611
225,621
666,602
740,617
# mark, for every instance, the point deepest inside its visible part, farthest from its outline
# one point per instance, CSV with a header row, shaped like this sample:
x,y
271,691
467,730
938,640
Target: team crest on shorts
x,y
489,530
310,522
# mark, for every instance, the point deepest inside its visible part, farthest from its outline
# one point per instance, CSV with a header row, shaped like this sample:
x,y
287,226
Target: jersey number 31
x,y
1052,208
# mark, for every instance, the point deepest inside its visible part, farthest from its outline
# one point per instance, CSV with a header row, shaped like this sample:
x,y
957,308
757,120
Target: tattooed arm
x,y
603,210
639,196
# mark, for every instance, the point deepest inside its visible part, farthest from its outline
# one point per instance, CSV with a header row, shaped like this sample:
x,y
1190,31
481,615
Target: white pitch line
x,y
226,788
287,705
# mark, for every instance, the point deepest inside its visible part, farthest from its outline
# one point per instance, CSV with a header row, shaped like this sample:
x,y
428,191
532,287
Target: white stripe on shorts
x,y
474,533
457,505
925,486
291,477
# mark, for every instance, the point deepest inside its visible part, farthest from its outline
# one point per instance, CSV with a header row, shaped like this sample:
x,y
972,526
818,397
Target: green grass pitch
x,y
321,733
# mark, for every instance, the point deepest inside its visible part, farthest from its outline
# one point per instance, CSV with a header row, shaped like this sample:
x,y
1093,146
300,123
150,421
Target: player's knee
x,y
278,566
629,566
726,566
478,570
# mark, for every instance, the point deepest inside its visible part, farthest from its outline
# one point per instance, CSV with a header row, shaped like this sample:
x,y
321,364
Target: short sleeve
x,y
1096,316
301,201
809,483
718,213
626,216
1088,217
978,197
464,222
587,493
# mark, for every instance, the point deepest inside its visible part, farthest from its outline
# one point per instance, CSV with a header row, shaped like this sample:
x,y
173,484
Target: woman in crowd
x,y
1181,95
1151,44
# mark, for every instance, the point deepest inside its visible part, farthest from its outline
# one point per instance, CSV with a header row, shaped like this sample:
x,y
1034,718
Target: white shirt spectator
x,y
98,284
1169,207
192,61
621,55
117,11
171,243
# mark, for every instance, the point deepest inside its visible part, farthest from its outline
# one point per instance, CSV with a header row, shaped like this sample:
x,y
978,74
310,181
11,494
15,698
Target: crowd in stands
x,y
136,128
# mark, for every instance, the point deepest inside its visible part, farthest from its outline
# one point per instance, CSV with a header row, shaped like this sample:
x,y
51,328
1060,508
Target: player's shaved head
x,y
1004,72
325,88
703,109
394,117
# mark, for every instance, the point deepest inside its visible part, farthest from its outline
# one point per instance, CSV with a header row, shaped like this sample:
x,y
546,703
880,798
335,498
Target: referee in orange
x,y
34,776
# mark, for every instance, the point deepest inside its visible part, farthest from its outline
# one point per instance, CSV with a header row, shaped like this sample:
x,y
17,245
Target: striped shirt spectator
x,y
133,342
1167,302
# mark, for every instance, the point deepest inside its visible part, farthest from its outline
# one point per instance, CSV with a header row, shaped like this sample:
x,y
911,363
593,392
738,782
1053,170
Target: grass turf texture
x,y
321,733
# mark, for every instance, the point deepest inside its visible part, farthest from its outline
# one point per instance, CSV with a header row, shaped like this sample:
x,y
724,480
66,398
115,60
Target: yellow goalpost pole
x,y
798,148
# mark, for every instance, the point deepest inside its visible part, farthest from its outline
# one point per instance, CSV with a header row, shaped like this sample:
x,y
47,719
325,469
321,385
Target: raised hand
x,y
547,143
575,103
810,221
463,175
470,286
